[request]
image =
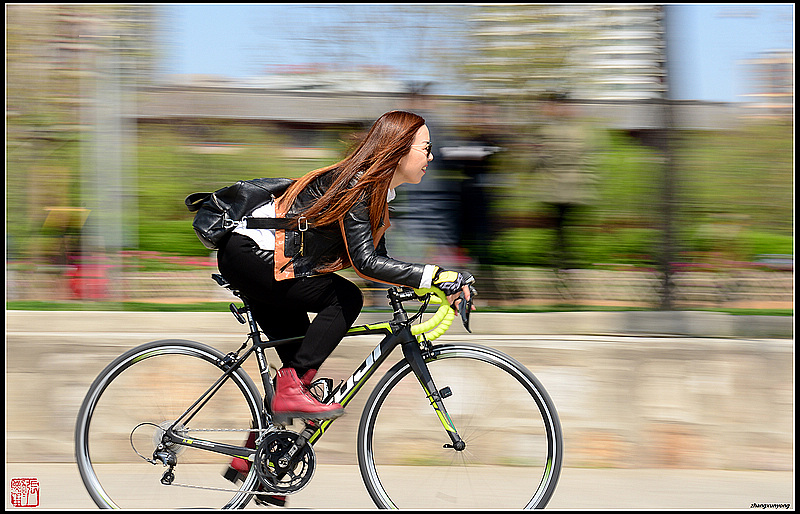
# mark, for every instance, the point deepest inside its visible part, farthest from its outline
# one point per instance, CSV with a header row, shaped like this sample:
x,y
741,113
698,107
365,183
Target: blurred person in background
x,y
564,176
473,158
286,274
427,214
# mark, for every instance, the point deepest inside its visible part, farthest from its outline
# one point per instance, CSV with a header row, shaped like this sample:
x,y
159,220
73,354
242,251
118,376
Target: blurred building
x,y
771,83
626,56
601,51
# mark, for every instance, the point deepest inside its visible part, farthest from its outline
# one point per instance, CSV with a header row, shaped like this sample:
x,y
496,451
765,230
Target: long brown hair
x,y
372,163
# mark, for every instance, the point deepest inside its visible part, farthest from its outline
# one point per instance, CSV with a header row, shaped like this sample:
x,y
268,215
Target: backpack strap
x,y
195,200
300,224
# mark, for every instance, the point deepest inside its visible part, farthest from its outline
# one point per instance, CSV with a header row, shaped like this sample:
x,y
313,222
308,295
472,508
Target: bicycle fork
x,y
413,355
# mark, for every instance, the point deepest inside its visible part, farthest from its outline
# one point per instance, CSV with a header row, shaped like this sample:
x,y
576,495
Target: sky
x,y
710,39
243,40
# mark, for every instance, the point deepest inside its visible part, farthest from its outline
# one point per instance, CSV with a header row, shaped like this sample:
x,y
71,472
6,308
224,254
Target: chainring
x,y
277,471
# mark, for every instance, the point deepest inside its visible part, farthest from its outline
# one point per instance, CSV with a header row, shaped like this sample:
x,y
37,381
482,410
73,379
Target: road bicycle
x,y
451,425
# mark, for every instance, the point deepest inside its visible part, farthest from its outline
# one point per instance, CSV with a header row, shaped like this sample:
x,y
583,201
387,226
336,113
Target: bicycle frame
x,y
397,332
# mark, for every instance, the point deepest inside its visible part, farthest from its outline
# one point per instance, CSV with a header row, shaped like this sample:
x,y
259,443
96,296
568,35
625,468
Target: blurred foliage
x,y
176,161
534,247
760,243
744,176
735,202
720,213
735,186
633,246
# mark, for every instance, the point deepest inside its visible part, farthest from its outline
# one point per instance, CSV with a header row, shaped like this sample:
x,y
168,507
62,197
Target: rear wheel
x,y
513,453
132,402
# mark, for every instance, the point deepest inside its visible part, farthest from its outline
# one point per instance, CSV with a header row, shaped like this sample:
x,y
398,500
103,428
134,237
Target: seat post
x,y
255,333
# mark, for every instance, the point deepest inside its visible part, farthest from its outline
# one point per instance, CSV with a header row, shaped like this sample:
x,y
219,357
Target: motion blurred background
x,y
592,155
588,157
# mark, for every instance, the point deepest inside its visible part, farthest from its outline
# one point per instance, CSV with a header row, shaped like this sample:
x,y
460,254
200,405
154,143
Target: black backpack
x,y
220,212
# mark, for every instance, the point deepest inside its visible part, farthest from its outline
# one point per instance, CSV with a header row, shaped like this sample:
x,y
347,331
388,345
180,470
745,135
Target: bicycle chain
x,y
207,488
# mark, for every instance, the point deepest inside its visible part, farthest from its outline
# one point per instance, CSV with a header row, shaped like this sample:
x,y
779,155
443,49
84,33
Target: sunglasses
x,y
427,147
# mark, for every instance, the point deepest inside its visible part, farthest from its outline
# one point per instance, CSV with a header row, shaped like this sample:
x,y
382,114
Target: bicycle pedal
x,y
233,475
321,388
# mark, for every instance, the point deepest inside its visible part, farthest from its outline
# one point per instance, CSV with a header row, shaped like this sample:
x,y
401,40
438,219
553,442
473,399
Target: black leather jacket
x,y
304,254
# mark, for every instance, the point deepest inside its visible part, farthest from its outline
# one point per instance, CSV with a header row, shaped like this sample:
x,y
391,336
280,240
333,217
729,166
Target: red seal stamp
x,y
25,492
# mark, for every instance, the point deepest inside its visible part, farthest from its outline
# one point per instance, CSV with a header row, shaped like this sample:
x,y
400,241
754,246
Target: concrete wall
x,y
626,399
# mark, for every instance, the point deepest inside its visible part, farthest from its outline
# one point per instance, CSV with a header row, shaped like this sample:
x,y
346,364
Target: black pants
x,y
281,307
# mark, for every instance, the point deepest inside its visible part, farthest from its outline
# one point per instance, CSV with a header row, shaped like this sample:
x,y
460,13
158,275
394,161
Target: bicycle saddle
x,y
219,279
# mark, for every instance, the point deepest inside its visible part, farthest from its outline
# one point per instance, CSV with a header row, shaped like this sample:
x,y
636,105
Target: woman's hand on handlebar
x,y
455,299
458,288
452,283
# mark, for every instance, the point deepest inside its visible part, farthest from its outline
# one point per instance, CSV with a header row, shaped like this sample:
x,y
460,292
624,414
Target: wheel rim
x,y
153,384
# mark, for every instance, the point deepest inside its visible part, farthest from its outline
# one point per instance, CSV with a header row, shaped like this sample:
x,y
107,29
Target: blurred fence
x,y
500,287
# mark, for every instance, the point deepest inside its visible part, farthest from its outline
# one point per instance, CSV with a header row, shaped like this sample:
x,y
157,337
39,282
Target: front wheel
x,y
131,403
513,453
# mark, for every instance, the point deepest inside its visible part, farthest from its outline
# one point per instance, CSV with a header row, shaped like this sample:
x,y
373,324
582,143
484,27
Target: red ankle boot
x,y
292,399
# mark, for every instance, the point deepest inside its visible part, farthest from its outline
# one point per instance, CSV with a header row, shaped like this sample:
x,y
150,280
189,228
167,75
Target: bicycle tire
x,y
154,384
510,425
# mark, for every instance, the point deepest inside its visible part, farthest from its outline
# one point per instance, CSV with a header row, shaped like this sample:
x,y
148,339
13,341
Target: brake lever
x,y
465,307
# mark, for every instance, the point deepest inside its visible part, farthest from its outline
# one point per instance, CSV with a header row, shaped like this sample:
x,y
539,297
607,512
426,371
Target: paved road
x,y
340,487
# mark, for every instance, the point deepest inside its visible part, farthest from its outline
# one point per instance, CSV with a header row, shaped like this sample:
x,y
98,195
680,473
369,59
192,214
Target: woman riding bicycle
x,y
328,219
343,214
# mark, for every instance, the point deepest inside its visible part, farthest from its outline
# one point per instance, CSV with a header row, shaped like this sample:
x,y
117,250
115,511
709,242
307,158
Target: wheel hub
x,y
159,440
